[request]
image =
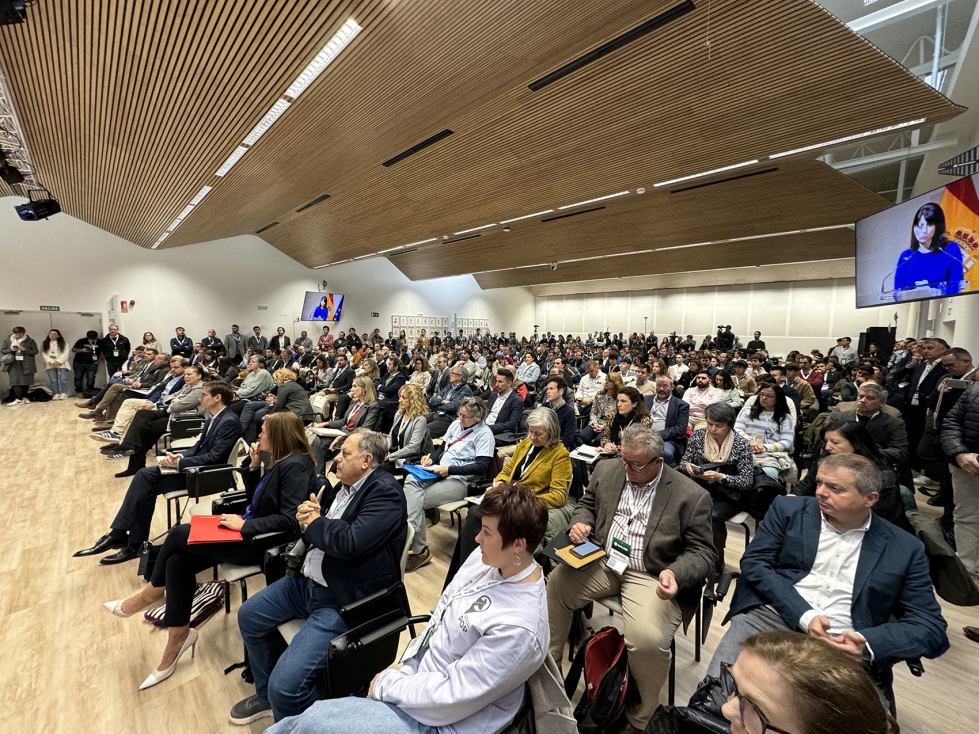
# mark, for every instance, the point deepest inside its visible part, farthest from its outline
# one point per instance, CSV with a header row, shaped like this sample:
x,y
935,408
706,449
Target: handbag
x,y
149,551
7,359
208,598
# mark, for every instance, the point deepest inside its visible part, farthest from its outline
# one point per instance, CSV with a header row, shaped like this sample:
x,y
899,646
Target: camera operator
x,y
725,337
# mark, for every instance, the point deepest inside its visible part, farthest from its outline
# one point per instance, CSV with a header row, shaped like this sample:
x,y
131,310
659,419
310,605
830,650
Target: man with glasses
x,y
827,567
654,525
445,402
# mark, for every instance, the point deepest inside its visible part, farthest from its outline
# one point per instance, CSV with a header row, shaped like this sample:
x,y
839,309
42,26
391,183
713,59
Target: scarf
x,y
620,423
718,453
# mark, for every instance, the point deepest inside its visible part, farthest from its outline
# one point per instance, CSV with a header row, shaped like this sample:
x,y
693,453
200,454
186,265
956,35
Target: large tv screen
x,y
926,247
322,306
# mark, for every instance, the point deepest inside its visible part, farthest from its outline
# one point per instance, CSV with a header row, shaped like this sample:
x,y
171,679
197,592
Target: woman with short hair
x,y
18,362
57,361
467,678
288,479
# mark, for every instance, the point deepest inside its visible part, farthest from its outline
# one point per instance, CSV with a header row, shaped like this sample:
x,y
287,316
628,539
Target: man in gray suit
x,y
235,345
654,525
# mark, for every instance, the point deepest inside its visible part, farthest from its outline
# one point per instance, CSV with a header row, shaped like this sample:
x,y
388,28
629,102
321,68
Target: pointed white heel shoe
x,y
115,608
158,676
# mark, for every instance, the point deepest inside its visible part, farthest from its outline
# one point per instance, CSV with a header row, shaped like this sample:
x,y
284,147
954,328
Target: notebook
x,y
204,529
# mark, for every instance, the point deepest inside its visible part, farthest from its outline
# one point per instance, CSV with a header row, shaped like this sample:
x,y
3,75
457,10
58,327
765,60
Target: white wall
x,y
68,263
801,315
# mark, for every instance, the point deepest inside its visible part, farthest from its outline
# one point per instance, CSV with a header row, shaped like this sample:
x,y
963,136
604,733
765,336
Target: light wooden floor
x,y
68,667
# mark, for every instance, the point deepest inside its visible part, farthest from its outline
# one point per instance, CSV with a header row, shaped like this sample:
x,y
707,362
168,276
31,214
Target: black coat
x,y
284,487
888,433
960,431
122,344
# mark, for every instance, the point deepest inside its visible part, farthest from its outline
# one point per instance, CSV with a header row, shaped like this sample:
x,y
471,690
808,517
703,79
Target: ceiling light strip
x,y
231,160
592,201
526,216
266,122
848,138
348,31
200,195
705,173
476,229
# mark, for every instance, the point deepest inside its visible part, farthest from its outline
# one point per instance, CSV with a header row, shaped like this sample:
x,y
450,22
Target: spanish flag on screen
x,y
961,206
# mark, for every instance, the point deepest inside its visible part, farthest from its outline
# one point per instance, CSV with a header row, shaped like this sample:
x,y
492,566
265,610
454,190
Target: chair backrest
x,y
404,553
233,456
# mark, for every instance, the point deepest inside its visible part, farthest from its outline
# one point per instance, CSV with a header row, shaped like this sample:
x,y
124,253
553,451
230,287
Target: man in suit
x,y
280,341
257,343
887,431
504,405
670,416
181,345
445,402
827,567
212,342
355,541
440,375
654,524
131,525
338,383
235,345
920,377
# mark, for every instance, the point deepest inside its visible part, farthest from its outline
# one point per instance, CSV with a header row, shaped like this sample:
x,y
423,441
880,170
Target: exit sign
x,y
375,314
50,308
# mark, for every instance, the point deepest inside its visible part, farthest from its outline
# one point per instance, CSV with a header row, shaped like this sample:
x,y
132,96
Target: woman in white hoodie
x,y
487,636
57,360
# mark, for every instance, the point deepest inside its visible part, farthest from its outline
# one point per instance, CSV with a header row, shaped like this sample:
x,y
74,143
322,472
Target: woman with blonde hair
x,y
409,438
275,495
368,368
363,412
286,395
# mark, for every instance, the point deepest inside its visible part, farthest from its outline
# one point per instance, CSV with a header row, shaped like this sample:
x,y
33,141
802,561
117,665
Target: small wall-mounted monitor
x,y
926,247
322,306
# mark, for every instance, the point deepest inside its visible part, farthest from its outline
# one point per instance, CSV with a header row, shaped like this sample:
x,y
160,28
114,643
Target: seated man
x,y
655,525
670,417
625,370
161,395
643,384
445,402
741,381
825,566
153,371
591,383
355,541
792,377
701,394
555,397
778,372
887,431
136,362
131,525
504,405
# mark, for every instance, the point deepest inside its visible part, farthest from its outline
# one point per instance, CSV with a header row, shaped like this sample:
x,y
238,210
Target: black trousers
x,y
935,464
178,564
438,424
914,420
145,430
111,367
136,512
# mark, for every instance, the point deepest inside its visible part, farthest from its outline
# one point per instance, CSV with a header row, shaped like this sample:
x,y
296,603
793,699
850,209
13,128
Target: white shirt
x,y
497,407
313,565
828,588
590,386
658,413
924,373
631,517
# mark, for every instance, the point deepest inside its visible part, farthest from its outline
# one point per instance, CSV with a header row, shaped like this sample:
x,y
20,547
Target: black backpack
x,y
608,686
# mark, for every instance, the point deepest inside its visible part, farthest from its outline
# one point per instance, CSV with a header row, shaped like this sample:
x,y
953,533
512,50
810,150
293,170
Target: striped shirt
x,y
631,517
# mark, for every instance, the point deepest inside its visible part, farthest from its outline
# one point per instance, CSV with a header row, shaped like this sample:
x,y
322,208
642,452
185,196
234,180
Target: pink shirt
x,y
699,399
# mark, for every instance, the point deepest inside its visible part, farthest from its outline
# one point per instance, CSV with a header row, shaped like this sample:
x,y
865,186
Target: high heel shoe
x,y
115,608
158,676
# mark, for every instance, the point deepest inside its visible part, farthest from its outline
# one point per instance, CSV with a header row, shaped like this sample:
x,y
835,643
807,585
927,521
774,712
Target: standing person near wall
x,y
56,355
18,362
115,348
88,354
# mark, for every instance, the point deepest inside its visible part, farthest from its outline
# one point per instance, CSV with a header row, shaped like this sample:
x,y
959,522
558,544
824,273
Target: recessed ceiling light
x,y
200,195
640,190
592,201
187,210
526,216
232,159
848,138
474,229
705,173
266,122
330,51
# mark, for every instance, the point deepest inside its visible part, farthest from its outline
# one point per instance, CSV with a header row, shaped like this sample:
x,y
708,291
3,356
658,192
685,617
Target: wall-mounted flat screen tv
x,y
926,247
322,306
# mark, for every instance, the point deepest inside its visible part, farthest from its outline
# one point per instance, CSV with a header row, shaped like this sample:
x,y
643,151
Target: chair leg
x,y
747,533
696,642
227,598
672,684
243,585
214,572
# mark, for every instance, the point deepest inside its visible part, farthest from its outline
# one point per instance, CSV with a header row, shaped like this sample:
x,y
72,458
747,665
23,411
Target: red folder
x,y
204,529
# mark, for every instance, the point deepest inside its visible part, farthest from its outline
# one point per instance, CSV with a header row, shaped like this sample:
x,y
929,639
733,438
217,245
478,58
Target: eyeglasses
x,y
634,466
754,721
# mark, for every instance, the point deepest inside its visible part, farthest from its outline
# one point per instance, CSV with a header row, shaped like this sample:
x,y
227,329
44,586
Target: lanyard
x,y
459,439
635,510
468,589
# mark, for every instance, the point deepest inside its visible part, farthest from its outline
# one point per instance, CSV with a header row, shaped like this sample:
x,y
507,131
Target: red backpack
x,y
608,685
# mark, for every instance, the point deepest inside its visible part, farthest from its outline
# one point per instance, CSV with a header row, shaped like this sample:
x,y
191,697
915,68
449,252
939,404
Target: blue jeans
x,y
85,373
351,716
58,378
253,415
286,676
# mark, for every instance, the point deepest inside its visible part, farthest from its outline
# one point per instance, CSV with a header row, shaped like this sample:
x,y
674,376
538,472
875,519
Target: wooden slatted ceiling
x,y
129,108
808,246
796,195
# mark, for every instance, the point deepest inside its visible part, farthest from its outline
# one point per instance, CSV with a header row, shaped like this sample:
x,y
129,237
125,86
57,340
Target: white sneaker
x,y
923,481
25,401
15,402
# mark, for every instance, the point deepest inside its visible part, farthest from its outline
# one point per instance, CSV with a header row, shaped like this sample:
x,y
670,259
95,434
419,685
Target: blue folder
x,y
420,472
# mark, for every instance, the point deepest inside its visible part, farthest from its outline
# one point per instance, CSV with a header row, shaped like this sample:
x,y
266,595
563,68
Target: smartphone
x,y
584,549
959,384
696,469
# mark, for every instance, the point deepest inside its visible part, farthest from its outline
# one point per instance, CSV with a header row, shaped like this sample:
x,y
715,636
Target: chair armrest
x,y
915,666
274,533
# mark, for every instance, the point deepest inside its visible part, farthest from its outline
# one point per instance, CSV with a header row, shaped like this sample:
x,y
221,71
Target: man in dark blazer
x,y
355,540
920,377
504,405
670,416
257,343
338,384
131,525
280,341
654,524
440,376
115,349
887,431
826,566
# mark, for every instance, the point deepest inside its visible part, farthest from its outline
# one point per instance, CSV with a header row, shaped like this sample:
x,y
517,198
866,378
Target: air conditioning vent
x,y
417,148
722,180
267,226
314,202
572,214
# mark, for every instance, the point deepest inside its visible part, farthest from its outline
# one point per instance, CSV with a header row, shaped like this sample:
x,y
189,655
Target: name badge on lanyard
x,y
19,357
618,557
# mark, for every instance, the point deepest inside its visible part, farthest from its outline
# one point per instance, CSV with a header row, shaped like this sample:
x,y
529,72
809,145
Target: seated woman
x,y
791,682
730,394
853,438
387,392
363,412
462,678
288,480
421,376
629,408
227,370
368,368
770,429
465,452
529,370
540,462
409,433
320,372
287,395
715,445
602,405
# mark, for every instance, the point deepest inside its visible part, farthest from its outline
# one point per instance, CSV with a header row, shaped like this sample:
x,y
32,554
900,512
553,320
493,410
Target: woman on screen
x,y
932,260
323,311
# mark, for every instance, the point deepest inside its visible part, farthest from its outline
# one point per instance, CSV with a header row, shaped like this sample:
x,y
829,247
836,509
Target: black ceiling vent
x,y
403,252
314,202
267,226
416,148
572,214
460,239
723,180
616,43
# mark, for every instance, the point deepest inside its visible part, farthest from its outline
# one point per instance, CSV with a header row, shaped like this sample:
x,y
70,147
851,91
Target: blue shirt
x,y
941,269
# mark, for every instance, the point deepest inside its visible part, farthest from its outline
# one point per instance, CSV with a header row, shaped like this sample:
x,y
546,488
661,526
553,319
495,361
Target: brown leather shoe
x,y
91,415
417,560
84,404
972,633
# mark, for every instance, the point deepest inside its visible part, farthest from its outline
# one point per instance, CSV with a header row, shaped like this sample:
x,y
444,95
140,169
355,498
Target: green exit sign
x,y
375,314
50,308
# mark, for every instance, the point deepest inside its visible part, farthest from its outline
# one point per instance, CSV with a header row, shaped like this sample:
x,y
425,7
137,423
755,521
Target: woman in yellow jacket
x,y
540,462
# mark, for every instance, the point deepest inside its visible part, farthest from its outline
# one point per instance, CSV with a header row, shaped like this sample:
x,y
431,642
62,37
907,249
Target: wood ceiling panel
x,y
129,107
807,246
796,195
